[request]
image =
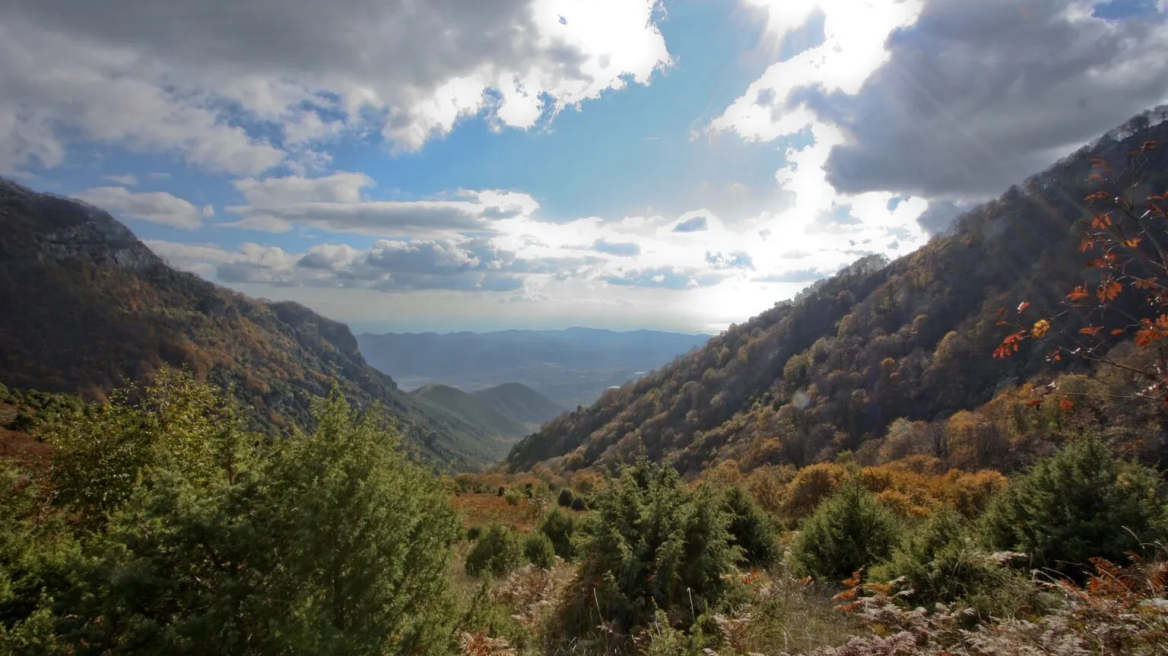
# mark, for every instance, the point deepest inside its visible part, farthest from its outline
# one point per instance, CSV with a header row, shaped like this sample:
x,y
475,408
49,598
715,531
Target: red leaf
x,y
1022,306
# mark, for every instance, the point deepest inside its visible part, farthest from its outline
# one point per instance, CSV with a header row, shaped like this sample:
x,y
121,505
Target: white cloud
x,y
943,100
336,203
154,206
109,95
181,77
127,180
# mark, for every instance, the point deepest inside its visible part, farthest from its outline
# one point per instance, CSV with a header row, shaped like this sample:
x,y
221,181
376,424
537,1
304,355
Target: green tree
x,y
750,528
941,562
1082,503
850,530
650,544
538,550
332,543
36,554
100,452
559,527
496,552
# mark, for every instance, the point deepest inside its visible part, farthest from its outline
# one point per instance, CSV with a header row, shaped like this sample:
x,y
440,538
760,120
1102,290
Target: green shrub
x,y
559,527
496,552
538,550
1079,504
332,543
512,497
941,562
850,530
565,498
473,533
651,544
751,528
579,505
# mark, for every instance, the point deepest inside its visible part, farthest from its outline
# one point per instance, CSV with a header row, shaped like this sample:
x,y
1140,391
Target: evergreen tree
x,y
651,544
496,552
331,543
1079,504
850,530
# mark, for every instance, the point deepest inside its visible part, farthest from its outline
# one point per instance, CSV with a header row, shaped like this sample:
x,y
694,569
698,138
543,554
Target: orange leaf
x,y
1066,405
1108,291
1041,327
1022,306
1033,403
1132,243
1091,330
1077,294
1146,336
1117,331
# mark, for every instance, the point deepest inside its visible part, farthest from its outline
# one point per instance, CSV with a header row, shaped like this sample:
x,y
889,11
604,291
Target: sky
x,y
440,165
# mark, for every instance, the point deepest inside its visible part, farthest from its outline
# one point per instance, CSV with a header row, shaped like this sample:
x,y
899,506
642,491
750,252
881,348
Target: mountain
x,y
473,410
520,403
571,367
506,412
830,370
86,306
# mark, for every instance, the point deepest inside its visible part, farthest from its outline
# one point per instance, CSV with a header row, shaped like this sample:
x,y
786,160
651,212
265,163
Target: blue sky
x,y
544,163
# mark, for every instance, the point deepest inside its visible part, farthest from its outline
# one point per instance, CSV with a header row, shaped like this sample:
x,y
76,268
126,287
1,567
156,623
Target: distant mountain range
x,y
85,305
570,367
506,412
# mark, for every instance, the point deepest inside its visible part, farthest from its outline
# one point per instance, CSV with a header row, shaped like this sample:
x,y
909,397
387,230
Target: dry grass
x,y
486,509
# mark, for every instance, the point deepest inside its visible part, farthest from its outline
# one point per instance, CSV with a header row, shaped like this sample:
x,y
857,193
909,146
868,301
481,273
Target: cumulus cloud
x,y
692,224
127,180
154,206
939,102
976,96
53,83
176,76
619,249
337,203
664,277
388,266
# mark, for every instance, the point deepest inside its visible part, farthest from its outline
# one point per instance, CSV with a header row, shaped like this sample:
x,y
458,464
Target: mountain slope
x,y
472,409
571,367
830,370
86,306
520,403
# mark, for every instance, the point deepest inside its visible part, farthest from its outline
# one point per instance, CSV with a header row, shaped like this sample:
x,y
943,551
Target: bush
x,y
332,542
559,527
579,505
651,544
473,533
1079,504
539,550
512,497
496,552
942,563
849,531
565,498
750,528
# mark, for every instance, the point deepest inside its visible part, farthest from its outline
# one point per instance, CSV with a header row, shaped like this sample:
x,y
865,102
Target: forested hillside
x,y
87,306
832,369
521,403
